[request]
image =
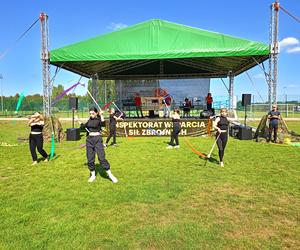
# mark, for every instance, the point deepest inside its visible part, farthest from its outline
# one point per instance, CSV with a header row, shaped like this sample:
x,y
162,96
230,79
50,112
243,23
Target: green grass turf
x,y
166,199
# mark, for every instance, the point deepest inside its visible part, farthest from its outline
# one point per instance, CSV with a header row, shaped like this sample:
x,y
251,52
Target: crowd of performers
x,y
95,145
221,125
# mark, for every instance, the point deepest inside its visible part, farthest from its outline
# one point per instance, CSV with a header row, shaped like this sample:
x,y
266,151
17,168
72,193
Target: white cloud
x,y
117,26
293,50
288,42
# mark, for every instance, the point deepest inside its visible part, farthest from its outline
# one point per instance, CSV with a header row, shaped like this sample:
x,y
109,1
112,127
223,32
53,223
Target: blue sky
x,y
73,21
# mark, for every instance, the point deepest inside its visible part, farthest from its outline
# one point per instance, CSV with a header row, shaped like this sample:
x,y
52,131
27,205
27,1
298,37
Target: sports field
x,y
165,199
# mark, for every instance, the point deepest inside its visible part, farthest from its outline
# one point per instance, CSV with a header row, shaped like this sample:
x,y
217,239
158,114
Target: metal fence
x,y
288,105
289,110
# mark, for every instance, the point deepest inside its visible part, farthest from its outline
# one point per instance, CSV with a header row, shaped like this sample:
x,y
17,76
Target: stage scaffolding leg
x,y
273,60
95,88
230,91
47,85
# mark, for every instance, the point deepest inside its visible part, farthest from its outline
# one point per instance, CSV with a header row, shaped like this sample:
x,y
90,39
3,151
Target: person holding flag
x,y
36,122
221,125
94,144
113,126
176,129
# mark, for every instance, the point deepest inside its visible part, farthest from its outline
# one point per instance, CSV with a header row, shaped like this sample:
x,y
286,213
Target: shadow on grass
x,y
55,157
101,171
211,160
111,145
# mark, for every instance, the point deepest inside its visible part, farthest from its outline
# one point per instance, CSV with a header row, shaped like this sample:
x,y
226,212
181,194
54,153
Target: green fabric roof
x,y
158,48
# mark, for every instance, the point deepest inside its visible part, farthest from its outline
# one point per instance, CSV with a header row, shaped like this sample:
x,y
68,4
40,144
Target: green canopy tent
x,y
162,50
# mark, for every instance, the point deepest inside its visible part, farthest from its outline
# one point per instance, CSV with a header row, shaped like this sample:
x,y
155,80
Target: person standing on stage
x,y
176,130
138,105
273,116
221,125
94,144
209,101
187,107
36,122
167,105
112,126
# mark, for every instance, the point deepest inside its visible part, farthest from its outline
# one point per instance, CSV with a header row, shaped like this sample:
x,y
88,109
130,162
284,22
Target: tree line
x,y
106,92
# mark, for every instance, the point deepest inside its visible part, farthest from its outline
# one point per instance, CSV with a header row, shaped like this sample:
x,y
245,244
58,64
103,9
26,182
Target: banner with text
x,y
161,127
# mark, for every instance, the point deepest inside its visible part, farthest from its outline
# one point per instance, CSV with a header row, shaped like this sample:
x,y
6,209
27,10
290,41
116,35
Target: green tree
x,y
105,91
56,90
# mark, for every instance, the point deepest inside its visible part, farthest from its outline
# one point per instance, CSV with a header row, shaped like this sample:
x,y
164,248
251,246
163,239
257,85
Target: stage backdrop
x,y
195,89
161,127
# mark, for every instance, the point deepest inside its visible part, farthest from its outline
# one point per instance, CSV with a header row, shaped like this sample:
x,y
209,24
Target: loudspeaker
x,y
234,130
246,99
245,133
73,134
73,102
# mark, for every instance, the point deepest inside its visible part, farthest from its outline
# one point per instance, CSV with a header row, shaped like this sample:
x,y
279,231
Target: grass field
x,y
165,199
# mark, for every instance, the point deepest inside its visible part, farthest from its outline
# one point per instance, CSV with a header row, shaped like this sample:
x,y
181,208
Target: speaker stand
x,y
73,110
245,115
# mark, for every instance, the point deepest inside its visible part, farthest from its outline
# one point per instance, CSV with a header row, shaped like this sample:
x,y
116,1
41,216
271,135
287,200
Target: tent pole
x,y
230,91
105,93
94,87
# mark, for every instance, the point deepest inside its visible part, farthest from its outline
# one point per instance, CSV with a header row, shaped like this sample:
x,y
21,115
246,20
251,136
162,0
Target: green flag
x,y
52,146
19,102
